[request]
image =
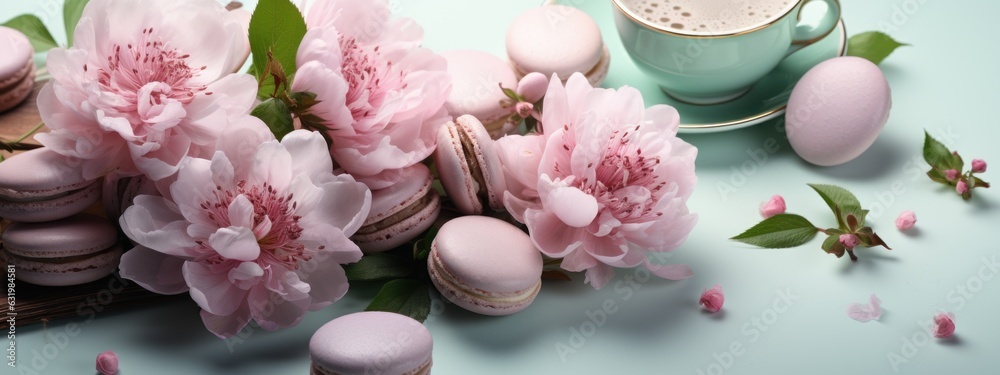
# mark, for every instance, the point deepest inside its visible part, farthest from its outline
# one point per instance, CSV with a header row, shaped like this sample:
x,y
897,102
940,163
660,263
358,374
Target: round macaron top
x,y
80,234
488,254
17,52
39,173
413,185
475,85
371,342
554,39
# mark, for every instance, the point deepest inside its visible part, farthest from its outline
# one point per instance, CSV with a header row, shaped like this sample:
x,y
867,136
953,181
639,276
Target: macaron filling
x,y
475,170
407,212
490,299
316,369
13,196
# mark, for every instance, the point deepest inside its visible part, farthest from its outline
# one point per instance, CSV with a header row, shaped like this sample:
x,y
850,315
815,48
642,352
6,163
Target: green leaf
x,y
511,94
378,266
936,176
422,248
35,30
72,10
842,202
979,183
779,231
833,246
276,26
873,45
403,296
938,156
277,116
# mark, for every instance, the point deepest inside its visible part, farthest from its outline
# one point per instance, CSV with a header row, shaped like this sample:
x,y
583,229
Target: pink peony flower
x,y
951,174
906,220
962,187
606,184
712,299
866,313
774,206
143,87
978,166
381,95
944,325
849,241
258,232
107,363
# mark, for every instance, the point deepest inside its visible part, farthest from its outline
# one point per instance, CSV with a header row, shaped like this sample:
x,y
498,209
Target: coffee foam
x,y
709,16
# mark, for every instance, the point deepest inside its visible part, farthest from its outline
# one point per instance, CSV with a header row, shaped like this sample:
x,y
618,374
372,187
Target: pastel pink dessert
x,y
41,185
17,68
71,251
469,167
119,191
371,342
401,212
476,81
485,265
558,39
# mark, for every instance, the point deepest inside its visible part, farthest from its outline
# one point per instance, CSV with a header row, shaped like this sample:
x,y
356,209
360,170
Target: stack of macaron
x,y
50,241
17,68
401,212
475,90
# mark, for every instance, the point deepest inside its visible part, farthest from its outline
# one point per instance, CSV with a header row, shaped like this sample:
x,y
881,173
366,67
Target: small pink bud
x,y
524,109
944,325
532,87
712,299
962,187
774,206
951,174
979,166
849,241
906,220
107,363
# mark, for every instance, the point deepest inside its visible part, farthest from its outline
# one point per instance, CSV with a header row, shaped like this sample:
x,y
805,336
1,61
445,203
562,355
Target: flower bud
x,y
849,241
712,299
978,166
962,187
524,109
532,87
944,325
951,174
774,206
906,220
107,363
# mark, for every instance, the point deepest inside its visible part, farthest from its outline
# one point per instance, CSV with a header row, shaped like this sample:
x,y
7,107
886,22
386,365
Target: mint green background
x,y
947,82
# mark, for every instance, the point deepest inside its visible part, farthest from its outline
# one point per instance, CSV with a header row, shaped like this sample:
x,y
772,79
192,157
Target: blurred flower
x,y
951,174
944,325
962,187
607,185
712,299
142,87
906,220
107,363
774,206
978,166
849,241
258,232
866,313
381,96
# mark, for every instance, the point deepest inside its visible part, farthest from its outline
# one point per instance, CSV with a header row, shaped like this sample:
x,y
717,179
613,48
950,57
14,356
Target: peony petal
x,y
153,270
670,271
574,207
236,243
309,152
241,213
211,288
275,313
271,165
599,275
226,326
328,280
550,234
865,313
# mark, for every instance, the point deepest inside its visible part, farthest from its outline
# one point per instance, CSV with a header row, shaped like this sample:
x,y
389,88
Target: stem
x,y
824,231
30,132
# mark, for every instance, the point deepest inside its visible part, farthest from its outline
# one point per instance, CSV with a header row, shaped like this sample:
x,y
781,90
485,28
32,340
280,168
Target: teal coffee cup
x,y
705,66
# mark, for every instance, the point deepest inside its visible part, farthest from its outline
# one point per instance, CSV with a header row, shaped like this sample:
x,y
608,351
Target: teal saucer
x,y
766,100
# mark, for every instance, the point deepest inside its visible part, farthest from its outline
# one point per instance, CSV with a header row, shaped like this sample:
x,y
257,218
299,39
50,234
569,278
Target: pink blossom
x,y
978,166
962,187
944,325
258,232
524,109
142,87
866,313
906,220
774,206
107,363
849,241
532,87
712,299
951,174
381,95
605,186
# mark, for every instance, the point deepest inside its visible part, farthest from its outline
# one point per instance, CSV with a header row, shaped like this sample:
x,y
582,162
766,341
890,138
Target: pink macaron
x,y
475,89
71,251
558,39
17,68
371,342
118,192
401,212
485,265
41,185
469,167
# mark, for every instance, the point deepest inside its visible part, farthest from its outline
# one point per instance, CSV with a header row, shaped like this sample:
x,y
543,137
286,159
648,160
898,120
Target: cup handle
x,y
805,35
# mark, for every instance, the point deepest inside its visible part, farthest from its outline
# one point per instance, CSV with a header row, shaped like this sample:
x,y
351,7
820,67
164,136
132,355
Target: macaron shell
x,y
18,91
453,170
414,190
372,342
477,301
51,209
554,39
74,236
65,274
17,52
476,80
39,173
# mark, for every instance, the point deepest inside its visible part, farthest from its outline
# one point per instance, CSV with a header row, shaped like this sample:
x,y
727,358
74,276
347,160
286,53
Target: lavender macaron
x,y
41,185
469,167
557,39
371,342
118,192
401,212
485,265
475,90
17,68
71,251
